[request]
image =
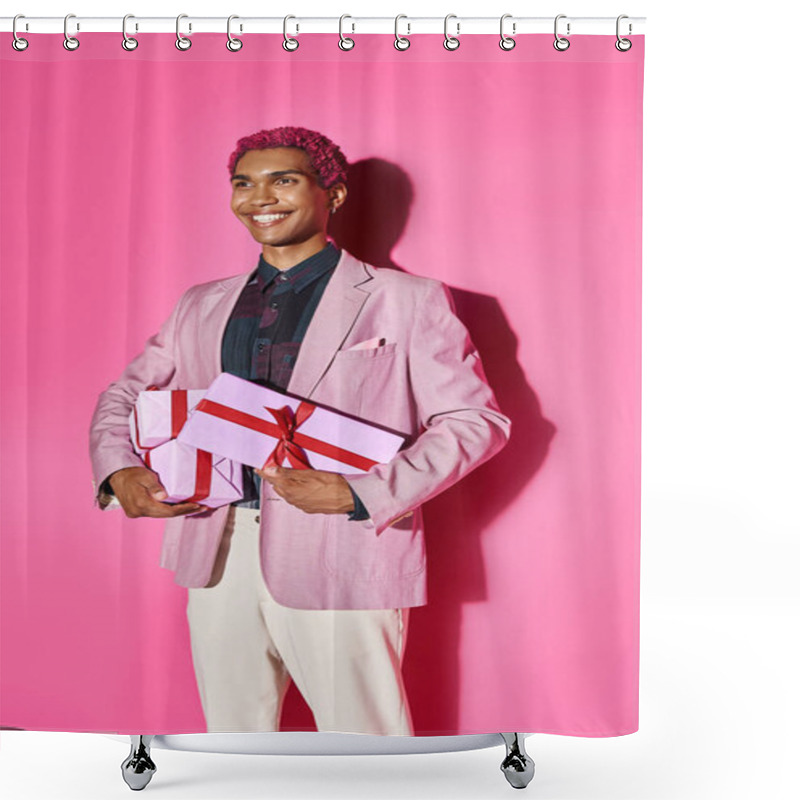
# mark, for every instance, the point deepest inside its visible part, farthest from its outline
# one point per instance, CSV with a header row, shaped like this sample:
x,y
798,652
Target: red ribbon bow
x,y
286,447
287,433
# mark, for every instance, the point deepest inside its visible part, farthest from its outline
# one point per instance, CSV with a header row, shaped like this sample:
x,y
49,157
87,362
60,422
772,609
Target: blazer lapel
x,y
217,307
335,315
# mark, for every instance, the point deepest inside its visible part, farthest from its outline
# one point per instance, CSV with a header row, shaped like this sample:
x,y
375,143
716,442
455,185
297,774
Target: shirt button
x,y
273,305
258,517
261,348
282,278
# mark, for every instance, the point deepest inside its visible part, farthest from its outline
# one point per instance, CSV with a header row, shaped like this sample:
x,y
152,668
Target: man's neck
x,y
284,258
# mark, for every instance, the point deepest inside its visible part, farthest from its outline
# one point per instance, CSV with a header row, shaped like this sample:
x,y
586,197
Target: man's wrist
x,y
107,485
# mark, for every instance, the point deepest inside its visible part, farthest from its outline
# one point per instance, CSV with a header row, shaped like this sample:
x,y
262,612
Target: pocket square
x,y
367,344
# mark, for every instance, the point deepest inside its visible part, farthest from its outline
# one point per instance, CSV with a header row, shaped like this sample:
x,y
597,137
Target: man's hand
x,y
140,493
311,490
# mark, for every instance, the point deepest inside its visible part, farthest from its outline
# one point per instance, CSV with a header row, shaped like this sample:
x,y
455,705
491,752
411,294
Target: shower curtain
x,y
493,197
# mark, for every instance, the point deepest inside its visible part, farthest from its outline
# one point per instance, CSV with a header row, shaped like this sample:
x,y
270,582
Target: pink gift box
x,y
186,472
159,414
250,424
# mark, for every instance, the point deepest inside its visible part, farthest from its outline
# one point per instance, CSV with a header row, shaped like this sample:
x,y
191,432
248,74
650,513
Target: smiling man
x,y
310,577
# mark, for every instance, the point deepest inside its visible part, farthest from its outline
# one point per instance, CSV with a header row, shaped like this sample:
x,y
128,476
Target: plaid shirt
x,y
265,331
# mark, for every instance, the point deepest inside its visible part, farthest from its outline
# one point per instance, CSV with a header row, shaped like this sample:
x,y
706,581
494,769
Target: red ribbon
x,y
202,480
202,475
291,441
179,410
139,445
179,401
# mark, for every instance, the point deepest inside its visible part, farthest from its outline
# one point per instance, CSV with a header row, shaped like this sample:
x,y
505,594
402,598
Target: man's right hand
x,y
140,494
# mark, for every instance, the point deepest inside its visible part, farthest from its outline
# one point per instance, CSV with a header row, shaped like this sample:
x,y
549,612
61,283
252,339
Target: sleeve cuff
x,y
360,511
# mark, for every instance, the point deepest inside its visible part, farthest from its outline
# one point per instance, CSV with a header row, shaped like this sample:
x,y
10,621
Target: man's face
x,y
276,195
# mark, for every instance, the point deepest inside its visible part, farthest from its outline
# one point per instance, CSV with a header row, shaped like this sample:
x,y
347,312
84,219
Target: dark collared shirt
x,y
271,316
265,331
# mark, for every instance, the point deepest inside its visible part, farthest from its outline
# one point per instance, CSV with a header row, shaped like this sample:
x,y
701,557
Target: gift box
x,y
254,425
195,475
159,415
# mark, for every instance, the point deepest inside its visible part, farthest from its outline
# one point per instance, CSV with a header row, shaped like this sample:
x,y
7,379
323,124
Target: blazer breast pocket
x,y
361,354
360,380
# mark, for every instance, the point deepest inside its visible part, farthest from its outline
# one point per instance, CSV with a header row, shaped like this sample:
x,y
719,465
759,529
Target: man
x,y
311,576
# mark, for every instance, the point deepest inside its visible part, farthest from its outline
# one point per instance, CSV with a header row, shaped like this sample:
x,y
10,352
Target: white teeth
x,y
269,217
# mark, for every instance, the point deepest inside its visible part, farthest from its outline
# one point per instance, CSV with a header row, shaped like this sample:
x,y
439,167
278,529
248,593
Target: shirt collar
x,y
300,275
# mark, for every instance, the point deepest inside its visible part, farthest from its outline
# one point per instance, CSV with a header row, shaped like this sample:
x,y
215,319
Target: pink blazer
x,y
427,381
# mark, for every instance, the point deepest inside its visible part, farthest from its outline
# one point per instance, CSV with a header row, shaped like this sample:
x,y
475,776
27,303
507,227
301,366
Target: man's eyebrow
x,y
272,174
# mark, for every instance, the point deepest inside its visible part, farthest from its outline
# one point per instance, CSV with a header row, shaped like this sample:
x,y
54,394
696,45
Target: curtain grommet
x,y
181,42
345,42
401,43
561,43
17,42
290,44
128,42
622,44
451,42
233,44
506,42
70,42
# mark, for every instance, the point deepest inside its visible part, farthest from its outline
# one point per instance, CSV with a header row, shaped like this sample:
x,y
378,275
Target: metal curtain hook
x,y
451,42
345,42
560,43
506,42
233,44
400,42
70,42
17,42
128,42
289,42
181,42
623,45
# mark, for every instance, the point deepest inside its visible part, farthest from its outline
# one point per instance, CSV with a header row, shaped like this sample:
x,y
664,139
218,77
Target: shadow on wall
x,y
371,223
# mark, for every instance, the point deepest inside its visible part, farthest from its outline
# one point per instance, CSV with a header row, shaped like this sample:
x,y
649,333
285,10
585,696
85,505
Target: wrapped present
x,y
193,475
257,426
159,415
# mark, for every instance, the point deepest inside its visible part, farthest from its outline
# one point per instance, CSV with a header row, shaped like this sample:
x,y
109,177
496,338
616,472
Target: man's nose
x,y
263,194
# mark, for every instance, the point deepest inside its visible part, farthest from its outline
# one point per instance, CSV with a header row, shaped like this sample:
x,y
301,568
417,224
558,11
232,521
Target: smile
x,y
263,220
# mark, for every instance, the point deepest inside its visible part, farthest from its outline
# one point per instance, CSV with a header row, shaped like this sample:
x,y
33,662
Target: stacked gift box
x,y
188,474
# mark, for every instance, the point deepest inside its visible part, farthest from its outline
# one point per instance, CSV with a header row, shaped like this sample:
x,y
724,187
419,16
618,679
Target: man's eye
x,y
286,180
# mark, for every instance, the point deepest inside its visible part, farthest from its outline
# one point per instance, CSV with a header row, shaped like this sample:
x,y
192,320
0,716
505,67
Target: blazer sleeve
x,y
110,447
462,425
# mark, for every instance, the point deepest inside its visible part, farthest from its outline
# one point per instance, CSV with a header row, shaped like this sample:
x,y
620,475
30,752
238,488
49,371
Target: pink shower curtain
x,y
512,177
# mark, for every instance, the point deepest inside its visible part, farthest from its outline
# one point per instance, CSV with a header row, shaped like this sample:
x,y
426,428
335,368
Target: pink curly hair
x,y
323,155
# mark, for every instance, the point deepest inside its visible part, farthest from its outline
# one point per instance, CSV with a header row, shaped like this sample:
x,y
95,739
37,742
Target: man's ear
x,y
337,195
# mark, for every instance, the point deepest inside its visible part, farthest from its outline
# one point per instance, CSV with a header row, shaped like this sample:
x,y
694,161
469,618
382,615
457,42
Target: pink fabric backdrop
x,y
515,177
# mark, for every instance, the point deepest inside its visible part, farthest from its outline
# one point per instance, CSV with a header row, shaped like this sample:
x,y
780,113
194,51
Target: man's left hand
x,y
311,490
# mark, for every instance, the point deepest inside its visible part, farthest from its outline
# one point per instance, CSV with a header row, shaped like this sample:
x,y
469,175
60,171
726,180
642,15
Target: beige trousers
x,y
246,649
